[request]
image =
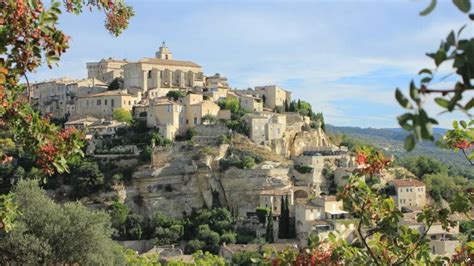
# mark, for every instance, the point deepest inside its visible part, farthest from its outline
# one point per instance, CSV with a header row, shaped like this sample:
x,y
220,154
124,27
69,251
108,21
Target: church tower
x,y
164,53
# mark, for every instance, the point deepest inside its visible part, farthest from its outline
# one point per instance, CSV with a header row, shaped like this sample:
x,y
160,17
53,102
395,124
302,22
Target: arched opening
x,y
301,194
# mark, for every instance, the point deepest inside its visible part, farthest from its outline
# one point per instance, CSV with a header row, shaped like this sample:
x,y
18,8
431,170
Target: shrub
x,y
229,238
118,214
190,133
248,162
303,169
123,115
193,246
224,139
262,213
245,257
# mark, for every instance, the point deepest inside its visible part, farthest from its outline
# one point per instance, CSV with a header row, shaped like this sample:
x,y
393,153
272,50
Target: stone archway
x,y
301,194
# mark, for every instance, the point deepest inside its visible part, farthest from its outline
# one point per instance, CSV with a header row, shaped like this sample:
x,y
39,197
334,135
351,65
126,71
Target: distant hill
x,y
392,140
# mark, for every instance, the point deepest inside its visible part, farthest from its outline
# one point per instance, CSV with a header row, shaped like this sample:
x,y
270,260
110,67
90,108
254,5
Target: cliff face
x,y
296,141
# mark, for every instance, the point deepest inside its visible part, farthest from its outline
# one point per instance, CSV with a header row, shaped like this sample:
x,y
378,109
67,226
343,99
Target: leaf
x,y
463,124
426,80
442,102
451,40
470,104
463,5
440,56
455,124
461,29
414,92
410,142
429,9
425,71
402,100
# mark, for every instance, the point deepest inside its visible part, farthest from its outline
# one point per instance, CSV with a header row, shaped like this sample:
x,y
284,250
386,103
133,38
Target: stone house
x,y
273,96
217,81
250,103
196,108
272,198
102,105
168,116
321,216
441,241
81,123
51,97
106,70
409,193
265,126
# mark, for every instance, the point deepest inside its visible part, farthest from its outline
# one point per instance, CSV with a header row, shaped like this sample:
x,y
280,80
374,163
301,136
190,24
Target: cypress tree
x,y
282,220
269,230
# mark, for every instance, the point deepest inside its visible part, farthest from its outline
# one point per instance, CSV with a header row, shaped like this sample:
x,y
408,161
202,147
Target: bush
x,y
118,214
245,257
190,133
85,178
248,162
262,213
224,139
303,169
228,238
123,115
175,95
193,246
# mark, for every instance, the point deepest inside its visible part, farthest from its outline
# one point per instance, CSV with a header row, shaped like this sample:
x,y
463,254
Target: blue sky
x,y
345,57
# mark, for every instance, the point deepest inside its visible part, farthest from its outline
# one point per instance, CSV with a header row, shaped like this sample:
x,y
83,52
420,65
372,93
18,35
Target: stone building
x,y
51,97
106,70
250,103
409,193
217,81
273,96
168,116
102,105
162,72
265,126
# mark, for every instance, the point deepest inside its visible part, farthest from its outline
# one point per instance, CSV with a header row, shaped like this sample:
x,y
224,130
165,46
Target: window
x,y
187,121
129,102
195,120
112,102
168,108
98,102
149,74
105,102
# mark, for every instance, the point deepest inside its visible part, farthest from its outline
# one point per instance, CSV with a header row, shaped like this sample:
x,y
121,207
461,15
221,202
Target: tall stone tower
x,y
164,53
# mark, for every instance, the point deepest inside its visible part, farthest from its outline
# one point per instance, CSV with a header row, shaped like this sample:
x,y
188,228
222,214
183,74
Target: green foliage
x,y
116,84
231,104
460,138
269,228
238,126
422,165
455,51
85,178
132,257
441,185
194,245
262,213
248,162
245,258
123,115
224,139
167,230
50,233
303,169
175,95
209,119
118,214
190,133
229,238
8,212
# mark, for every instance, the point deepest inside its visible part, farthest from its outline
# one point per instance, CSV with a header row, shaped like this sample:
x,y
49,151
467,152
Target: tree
x,y
269,229
123,115
50,233
283,221
422,165
116,84
228,238
231,104
456,51
85,178
118,214
175,95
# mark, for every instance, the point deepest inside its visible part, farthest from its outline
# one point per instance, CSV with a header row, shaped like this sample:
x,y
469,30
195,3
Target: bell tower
x,y
164,53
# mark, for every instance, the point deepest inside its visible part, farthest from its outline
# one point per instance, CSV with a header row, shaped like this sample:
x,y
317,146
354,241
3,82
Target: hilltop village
x,y
175,141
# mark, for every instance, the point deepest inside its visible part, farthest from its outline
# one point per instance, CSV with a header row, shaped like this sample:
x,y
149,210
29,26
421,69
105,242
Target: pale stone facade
x,y
265,126
168,116
274,96
52,97
250,103
106,70
217,81
102,105
409,193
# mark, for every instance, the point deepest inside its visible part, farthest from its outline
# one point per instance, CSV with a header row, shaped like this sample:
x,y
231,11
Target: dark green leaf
x,y
451,40
463,124
440,56
470,104
461,29
410,142
429,9
402,100
463,5
425,79
425,71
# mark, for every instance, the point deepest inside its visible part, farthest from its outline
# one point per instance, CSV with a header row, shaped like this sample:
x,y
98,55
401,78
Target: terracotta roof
x,y
407,183
169,62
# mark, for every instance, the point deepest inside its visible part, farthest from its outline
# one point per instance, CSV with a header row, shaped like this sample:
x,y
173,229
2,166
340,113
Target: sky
x,y
345,57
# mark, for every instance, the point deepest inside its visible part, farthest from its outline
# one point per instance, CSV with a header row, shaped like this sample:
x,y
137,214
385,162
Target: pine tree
x,y
299,104
269,230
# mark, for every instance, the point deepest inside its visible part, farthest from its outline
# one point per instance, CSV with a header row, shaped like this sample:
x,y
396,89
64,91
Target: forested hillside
x,y
391,141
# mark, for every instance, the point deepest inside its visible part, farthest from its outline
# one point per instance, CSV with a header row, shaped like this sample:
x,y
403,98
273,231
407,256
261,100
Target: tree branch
x,y
416,245
467,157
